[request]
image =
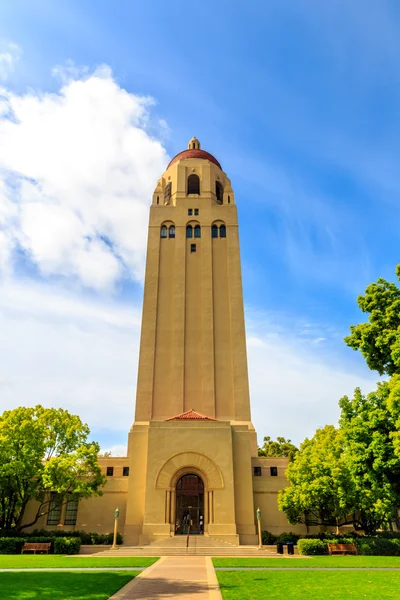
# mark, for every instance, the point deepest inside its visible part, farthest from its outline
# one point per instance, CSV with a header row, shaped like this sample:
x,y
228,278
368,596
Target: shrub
x,y
11,545
288,537
87,538
67,545
378,546
268,538
312,547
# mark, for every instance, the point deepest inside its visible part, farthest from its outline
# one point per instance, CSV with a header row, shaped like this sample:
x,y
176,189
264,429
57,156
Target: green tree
x,y
369,426
321,491
43,450
281,448
379,339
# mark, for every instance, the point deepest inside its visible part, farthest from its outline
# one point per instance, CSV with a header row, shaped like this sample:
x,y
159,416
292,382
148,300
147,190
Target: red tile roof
x,y
191,415
195,153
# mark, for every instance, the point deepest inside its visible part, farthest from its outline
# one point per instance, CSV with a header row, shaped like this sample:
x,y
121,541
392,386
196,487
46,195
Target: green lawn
x,y
327,562
303,585
33,561
62,586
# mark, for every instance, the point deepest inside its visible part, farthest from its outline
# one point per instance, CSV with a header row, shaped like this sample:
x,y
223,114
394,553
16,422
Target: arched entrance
x,y
189,505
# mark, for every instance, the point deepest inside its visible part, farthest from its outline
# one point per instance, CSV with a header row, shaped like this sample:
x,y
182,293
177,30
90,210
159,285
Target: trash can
x,y
290,547
279,548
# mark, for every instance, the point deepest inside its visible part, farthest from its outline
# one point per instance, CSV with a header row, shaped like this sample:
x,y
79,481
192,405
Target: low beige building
x,y
192,450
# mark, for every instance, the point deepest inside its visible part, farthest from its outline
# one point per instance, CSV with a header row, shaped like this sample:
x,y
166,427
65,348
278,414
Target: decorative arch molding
x,y
189,462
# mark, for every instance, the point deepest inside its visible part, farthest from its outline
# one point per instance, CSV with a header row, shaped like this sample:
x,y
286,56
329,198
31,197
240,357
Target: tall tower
x,y
191,444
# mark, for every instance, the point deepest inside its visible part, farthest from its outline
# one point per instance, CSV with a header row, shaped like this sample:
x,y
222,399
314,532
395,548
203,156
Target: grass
x,y
326,562
34,561
62,586
303,585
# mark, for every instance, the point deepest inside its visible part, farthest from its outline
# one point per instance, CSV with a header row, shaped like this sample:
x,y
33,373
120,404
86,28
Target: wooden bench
x,y
36,548
342,549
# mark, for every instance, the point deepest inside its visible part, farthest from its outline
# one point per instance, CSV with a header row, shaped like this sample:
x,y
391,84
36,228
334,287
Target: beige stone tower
x,y
191,444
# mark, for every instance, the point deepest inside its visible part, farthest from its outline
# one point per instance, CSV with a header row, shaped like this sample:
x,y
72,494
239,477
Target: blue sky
x,y
299,100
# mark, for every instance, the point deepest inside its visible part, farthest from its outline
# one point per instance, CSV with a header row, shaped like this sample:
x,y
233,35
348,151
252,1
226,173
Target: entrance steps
x,y
198,546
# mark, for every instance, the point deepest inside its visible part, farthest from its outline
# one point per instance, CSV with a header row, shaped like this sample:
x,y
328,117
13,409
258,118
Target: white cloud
x,y
295,387
8,57
58,348
78,169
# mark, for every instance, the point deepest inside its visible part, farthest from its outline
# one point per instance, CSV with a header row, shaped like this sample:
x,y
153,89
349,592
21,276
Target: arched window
x,y
219,192
229,199
197,231
171,231
189,231
193,184
167,194
214,231
158,199
222,231
164,231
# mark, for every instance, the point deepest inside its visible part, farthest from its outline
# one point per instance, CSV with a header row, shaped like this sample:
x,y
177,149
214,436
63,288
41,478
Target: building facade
x,y
192,449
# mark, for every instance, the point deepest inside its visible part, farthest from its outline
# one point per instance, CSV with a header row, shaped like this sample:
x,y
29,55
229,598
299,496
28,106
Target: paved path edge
x,y
129,586
213,585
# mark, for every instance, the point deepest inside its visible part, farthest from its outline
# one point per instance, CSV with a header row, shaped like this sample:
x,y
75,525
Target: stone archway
x,y
189,509
197,465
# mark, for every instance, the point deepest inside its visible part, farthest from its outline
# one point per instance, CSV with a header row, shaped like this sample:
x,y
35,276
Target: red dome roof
x,y
195,153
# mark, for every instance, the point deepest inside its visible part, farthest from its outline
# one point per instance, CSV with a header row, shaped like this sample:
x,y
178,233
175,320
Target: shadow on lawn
x,y
61,585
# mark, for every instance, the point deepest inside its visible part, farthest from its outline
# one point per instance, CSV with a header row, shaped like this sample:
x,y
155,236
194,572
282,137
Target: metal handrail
x,y
187,539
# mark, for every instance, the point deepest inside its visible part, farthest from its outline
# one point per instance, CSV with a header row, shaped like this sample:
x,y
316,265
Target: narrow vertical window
x,y
125,471
189,231
214,231
229,199
219,192
196,212
192,247
158,199
197,231
53,517
222,231
71,511
171,232
193,184
167,194
163,233
190,211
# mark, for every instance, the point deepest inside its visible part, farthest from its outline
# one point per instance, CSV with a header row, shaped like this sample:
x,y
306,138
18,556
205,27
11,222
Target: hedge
x,y
87,538
67,545
59,545
312,547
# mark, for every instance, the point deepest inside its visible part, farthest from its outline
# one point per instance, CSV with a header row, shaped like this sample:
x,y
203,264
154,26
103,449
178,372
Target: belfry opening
x,y
189,505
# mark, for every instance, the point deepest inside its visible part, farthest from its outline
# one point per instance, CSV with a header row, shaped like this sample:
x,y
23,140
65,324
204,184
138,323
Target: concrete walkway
x,y
183,578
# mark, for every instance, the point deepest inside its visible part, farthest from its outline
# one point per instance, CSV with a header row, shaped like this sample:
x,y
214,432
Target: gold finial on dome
x,y
194,144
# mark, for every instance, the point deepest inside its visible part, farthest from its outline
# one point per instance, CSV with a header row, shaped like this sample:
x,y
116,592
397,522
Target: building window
x,y
190,211
189,231
167,194
71,512
163,231
110,471
53,517
158,199
196,212
214,231
171,232
273,471
197,231
193,184
219,192
222,231
257,471
229,199
192,247
125,471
